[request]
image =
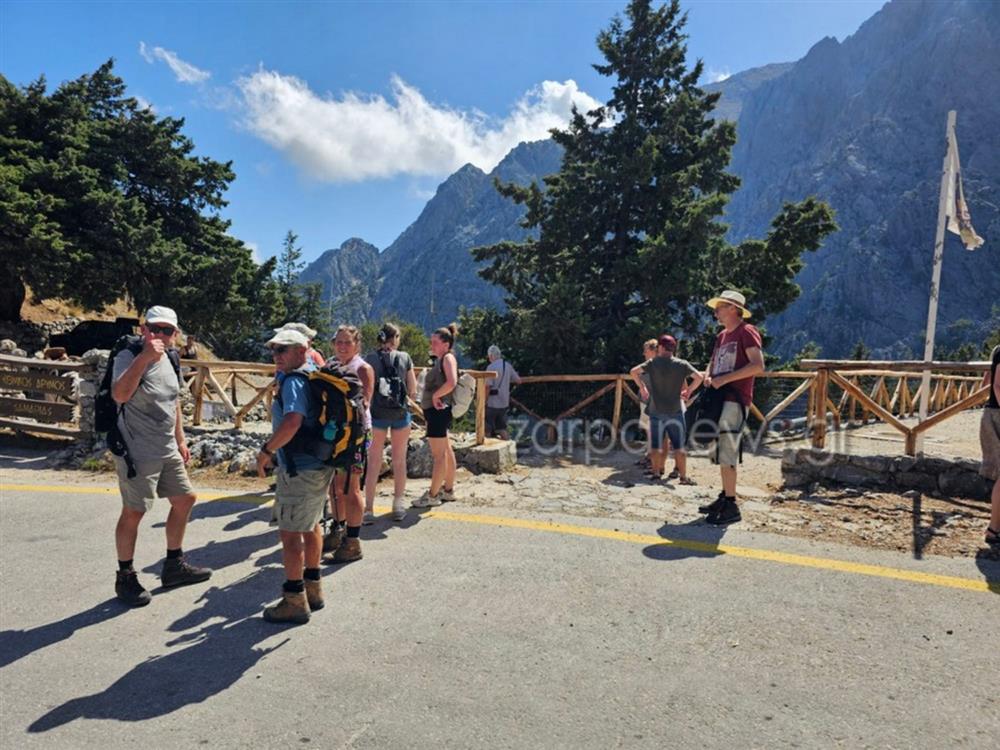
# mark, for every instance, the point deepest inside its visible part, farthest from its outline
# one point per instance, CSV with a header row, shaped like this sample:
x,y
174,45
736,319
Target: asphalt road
x,y
460,630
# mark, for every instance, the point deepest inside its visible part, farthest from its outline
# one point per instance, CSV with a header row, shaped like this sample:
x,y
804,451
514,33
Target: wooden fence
x,y
51,395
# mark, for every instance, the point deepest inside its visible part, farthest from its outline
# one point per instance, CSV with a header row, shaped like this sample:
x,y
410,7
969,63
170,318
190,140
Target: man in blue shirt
x,y
302,481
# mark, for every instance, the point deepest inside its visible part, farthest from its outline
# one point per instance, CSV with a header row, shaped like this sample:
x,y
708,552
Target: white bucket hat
x,y
160,314
733,298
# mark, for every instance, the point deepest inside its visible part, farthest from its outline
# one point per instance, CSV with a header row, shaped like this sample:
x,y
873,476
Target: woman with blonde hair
x,y
344,545
436,401
393,373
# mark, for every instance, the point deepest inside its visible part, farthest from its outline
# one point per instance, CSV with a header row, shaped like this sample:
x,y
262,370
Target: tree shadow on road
x,y
219,654
682,540
16,644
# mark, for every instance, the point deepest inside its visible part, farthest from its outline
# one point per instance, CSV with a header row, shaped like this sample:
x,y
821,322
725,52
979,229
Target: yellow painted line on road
x,y
552,527
252,498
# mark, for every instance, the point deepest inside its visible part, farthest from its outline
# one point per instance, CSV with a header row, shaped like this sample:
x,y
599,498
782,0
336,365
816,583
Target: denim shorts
x,y
671,425
392,424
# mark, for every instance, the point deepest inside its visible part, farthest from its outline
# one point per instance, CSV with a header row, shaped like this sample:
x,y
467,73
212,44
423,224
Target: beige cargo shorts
x,y
164,477
299,500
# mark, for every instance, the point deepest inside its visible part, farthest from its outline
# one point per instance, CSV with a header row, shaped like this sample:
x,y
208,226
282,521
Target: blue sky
x,y
342,118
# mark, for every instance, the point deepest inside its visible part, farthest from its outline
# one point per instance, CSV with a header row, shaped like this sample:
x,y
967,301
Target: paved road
x,y
461,630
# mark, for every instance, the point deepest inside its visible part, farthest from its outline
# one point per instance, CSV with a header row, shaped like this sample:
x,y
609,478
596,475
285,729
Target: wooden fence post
x,y
616,416
199,394
822,387
480,411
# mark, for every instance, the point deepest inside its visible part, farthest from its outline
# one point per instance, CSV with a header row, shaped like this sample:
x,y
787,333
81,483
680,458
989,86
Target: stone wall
x,y
956,477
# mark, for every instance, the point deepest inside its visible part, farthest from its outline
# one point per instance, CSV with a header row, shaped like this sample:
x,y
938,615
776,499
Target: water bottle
x,y
330,432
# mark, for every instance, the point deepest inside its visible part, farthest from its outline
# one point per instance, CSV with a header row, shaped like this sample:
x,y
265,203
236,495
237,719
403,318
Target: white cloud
x,y
255,250
717,76
144,103
185,72
357,137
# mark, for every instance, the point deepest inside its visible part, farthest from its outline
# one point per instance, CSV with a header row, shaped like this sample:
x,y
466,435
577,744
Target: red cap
x,y
668,342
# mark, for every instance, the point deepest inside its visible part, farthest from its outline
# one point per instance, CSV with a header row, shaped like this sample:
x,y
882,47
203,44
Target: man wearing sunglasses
x,y
301,480
145,386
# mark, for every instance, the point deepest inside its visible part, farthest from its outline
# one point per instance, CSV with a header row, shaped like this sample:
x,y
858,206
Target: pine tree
x,y
630,241
300,303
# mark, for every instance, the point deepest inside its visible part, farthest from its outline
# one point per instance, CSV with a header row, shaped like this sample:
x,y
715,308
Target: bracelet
x,y
266,451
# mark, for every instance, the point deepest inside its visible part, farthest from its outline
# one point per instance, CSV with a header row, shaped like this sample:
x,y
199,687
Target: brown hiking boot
x,y
332,540
314,595
293,608
348,551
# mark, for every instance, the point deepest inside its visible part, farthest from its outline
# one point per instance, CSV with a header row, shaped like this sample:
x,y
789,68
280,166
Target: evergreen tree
x,y
630,241
300,303
100,200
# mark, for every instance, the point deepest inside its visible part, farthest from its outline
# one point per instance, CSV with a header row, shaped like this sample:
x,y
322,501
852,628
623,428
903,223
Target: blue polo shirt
x,y
295,397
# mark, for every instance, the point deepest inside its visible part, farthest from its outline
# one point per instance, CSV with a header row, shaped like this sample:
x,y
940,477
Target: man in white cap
x,y
736,359
312,354
301,480
146,388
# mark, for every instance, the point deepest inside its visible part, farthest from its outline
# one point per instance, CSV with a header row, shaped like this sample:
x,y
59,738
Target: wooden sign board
x,y
43,411
38,382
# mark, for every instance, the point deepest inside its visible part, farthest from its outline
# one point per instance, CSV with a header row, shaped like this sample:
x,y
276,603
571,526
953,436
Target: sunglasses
x,y
157,330
279,349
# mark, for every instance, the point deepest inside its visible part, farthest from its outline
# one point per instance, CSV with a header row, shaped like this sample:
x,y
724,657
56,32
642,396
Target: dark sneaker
x,y
129,591
178,572
714,506
728,513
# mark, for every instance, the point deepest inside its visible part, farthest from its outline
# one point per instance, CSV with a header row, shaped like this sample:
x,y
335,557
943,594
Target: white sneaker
x,y
398,509
368,518
447,496
427,500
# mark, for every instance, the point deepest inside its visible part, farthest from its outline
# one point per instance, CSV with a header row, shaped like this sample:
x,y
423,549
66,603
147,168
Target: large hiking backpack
x,y
390,390
341,430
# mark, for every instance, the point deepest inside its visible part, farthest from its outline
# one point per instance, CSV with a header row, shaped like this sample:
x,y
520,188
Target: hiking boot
x,y
447,496
728,513
427,500
398,509
129,591
314,595
332,540
293,609
713,506
348,551
177,572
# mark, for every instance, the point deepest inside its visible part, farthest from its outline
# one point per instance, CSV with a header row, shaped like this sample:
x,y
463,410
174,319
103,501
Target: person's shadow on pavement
x,y
221,653
16,644
682,540
988,562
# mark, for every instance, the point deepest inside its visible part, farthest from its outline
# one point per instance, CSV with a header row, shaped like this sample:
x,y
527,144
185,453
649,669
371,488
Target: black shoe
x,y
714,506
176,572
129,591
727,514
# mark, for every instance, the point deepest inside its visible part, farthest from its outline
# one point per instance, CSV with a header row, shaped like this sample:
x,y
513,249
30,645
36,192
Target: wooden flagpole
x,y
948,172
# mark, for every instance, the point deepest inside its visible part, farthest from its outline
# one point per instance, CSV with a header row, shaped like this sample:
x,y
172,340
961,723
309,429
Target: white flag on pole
x,y
959,221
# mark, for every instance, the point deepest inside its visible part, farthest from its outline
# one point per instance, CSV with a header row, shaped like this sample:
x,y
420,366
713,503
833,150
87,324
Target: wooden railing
x,y
221,380
53,406
949,394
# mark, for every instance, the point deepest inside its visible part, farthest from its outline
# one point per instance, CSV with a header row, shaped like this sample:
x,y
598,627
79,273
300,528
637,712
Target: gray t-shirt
x,y
667,376
500,384
147,422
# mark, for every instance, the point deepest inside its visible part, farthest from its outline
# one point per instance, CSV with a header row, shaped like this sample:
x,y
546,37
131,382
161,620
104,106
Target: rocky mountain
x,y
858,123
861,124
349,279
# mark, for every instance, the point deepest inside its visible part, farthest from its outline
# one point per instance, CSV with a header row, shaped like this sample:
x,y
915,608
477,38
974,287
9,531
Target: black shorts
x,y
496,419
438,421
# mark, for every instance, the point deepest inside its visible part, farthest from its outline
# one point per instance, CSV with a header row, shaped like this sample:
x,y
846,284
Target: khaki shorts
x,y
300,500
727,451
989,438
165,477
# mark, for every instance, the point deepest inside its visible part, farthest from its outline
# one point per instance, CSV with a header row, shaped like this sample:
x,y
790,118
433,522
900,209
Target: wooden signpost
x,y
43,411
35,382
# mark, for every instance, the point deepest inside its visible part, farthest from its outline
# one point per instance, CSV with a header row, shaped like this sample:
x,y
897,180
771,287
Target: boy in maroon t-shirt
x,y
736,360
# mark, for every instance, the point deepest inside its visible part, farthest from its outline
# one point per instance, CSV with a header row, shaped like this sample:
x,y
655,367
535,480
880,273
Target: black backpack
x,y
702,416
390,390
341,429
105,409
